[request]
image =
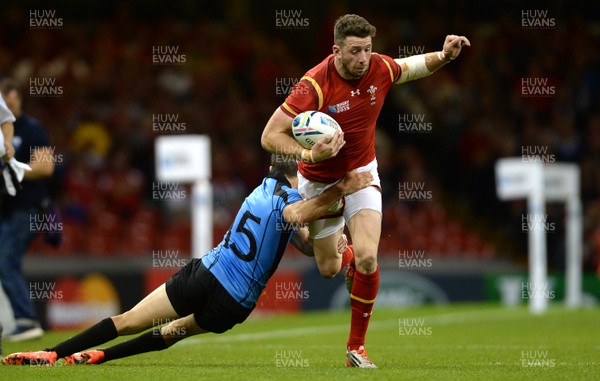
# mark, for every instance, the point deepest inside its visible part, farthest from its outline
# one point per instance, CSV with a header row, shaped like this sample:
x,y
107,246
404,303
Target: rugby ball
x,y
309,127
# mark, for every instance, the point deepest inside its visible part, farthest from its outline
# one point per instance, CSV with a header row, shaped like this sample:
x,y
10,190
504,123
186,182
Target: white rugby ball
x,y
309,127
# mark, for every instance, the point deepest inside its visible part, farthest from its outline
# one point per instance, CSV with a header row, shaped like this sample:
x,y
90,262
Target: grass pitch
x,y
464,342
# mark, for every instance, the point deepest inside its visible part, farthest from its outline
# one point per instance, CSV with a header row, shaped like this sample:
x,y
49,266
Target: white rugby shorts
x,y
367,198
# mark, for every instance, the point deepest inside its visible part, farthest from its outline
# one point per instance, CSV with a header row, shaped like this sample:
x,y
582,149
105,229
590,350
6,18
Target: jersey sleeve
x,y
394,69
5,114
303,97
285,196
293,196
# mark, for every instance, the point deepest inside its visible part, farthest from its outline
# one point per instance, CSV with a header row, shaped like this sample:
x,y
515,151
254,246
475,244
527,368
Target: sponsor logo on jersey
x,y
340,107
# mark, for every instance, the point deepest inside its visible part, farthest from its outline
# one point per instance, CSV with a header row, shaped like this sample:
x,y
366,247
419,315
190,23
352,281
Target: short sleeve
x,y
293,196
303,97
393,68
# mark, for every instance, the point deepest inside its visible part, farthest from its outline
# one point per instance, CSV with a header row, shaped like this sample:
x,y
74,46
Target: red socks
x,y
347,256
364,291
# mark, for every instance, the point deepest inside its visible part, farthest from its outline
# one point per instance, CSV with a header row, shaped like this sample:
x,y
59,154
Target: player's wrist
x,y
345,186
444,57
307,156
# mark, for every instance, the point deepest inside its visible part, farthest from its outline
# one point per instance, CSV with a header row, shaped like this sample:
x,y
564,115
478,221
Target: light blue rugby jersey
x,y
252,248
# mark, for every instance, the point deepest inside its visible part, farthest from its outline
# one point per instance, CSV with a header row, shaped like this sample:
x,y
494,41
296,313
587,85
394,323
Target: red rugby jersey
x,y
354,104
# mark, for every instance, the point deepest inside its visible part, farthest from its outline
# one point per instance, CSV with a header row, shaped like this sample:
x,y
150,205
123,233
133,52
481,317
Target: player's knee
x,y
366,264
329,270
328,273
174,332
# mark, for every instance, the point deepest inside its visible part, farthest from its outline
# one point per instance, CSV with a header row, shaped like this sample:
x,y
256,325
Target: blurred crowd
x,y
235,62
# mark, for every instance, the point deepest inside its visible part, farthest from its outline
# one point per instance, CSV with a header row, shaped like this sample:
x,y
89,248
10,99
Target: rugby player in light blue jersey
x,y
219,290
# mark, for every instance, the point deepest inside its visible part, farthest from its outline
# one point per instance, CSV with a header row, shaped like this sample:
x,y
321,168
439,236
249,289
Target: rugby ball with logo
x,y
309,127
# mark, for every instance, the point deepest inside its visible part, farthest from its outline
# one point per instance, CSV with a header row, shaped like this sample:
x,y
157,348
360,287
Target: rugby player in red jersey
x,y
350,85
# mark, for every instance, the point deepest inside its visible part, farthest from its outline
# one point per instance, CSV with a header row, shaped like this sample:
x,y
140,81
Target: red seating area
x,y
109,236
426,227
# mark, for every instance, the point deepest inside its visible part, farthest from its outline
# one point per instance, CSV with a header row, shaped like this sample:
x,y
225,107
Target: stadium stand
x,y
102,124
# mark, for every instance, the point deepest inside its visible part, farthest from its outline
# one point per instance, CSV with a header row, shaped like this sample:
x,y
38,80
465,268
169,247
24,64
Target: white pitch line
x,y
436,320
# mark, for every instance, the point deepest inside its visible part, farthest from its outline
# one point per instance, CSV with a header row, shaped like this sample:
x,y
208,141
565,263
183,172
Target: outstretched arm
x,y
302,212
422,65
301,240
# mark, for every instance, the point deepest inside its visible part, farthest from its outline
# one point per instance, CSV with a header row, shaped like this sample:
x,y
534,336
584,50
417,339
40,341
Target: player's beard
x,y
354,73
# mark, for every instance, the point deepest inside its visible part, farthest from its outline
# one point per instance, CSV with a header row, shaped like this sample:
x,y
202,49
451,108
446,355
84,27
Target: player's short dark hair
x,y
352,25
8,84
286,164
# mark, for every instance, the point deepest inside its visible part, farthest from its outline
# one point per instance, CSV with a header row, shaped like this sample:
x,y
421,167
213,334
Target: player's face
x,y
13,101
354,56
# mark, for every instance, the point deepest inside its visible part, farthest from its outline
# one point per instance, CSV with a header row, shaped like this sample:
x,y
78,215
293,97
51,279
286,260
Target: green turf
x,y
467,342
